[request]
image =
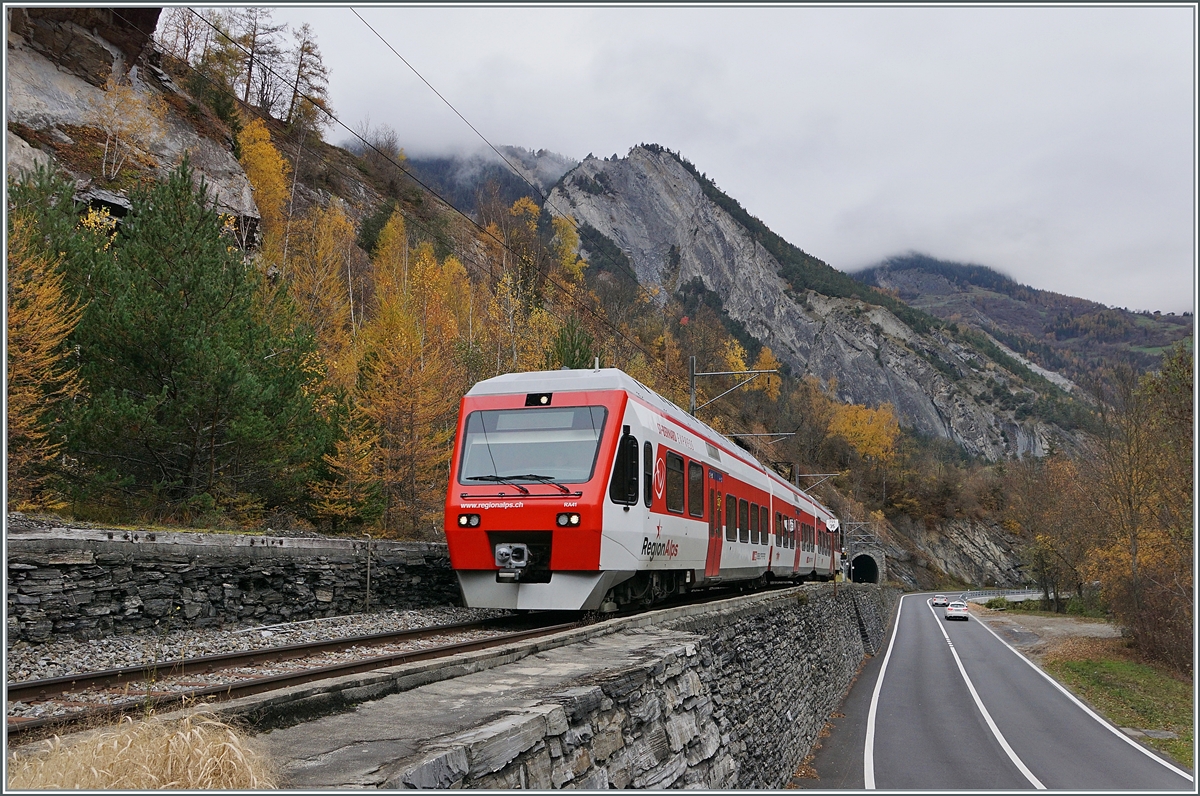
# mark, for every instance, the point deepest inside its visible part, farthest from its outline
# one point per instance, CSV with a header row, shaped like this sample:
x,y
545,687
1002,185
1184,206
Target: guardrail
x,y
986,594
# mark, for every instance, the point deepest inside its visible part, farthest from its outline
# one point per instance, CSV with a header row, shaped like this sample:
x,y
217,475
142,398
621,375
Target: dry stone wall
x,y
733,698
91,584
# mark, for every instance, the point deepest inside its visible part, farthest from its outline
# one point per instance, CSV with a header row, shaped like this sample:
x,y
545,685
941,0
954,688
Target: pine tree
x,y
194,400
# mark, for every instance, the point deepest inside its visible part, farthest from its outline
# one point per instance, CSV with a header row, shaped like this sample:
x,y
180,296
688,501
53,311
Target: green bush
x,y
998,604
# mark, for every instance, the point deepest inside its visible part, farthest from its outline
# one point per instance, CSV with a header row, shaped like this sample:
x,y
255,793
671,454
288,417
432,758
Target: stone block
x,y
69,557
99,609
537,767
42,587
707,745
607,741
577,736
580,703
663,775
438,768
596,779
680,729
157,607
619,770
556,718
571,767
508,779
493,746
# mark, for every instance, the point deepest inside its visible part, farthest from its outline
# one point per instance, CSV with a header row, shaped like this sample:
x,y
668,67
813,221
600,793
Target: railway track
x,y
164,684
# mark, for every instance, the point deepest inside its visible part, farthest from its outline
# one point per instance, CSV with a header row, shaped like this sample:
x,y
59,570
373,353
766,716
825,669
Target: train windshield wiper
x,y
544,479
499,479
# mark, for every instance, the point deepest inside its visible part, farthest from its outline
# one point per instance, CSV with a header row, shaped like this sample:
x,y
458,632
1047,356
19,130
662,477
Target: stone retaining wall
x,y
733,698
90,584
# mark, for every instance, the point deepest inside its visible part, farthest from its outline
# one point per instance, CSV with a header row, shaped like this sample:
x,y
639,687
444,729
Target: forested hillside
x,y
1072,336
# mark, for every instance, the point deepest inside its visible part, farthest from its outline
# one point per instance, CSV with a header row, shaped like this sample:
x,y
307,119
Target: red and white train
x,y
586,490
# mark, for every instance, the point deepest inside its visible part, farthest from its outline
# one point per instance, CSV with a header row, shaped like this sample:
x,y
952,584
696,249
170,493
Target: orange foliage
x,y
40,376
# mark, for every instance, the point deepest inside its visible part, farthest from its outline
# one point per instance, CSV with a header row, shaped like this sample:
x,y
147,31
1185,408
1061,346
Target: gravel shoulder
x,y
1041,636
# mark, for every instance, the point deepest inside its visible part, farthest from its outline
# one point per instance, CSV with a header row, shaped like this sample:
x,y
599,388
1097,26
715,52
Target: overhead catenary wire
x,y
486,267
544,199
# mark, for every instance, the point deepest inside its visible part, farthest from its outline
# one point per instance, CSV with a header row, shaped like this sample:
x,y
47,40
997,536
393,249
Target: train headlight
x,y
465,520
563,520
574,519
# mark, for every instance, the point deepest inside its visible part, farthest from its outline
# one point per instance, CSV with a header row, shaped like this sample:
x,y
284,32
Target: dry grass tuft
x,y
1082,648
195,753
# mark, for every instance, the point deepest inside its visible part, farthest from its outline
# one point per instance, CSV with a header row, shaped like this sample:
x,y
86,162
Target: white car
x,y
957,610
939,600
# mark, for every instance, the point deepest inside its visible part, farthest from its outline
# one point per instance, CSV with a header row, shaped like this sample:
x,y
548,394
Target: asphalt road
x,y
950,706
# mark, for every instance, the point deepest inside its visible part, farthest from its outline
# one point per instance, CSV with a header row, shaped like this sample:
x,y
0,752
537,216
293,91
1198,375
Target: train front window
x,y
532,445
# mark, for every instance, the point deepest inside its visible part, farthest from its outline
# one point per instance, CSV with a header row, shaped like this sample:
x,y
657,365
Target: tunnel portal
x,y
864,569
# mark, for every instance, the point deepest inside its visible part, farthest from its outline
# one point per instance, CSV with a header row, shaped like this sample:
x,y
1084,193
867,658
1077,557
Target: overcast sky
x,y
1056,145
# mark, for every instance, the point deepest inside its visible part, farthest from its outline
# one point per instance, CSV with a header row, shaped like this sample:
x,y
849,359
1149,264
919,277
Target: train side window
x,y
730,518
647,473
674,482
753,523
623,488
765,523
743,521
695,489
778,529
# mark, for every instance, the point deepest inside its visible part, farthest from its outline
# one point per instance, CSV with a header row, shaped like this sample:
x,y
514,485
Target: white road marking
x,y
986,716
869,748
1107,725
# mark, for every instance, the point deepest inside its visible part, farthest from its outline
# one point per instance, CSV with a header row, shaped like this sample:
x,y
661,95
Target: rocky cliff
x,y
58,63
656,211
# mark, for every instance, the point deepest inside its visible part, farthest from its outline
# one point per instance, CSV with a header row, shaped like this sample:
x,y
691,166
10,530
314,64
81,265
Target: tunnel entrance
x,y
864,569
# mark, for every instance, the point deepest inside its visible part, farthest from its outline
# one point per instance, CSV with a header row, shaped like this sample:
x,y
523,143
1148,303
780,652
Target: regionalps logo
x,y
667,548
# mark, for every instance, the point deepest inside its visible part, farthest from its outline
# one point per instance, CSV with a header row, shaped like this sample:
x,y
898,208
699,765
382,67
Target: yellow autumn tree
x,y
350,497
40,375
767,382
318,273
566,249
410,382
871,432
267,171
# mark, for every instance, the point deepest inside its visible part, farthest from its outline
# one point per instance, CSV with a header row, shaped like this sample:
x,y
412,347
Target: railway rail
x,y
153,681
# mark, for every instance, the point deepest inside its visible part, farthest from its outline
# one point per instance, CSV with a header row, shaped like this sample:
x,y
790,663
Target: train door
x,y
712,564
797,546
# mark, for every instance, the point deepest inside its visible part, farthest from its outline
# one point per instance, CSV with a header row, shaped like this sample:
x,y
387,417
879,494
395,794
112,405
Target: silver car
x,y
957,610
939,600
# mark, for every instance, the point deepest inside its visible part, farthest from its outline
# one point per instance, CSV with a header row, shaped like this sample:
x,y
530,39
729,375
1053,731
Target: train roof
x,y
588,379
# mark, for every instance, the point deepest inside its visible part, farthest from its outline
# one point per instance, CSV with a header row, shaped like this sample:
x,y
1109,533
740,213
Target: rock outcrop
x,y
58,63
657,213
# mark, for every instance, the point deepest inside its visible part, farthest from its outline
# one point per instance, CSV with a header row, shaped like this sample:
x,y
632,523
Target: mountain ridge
x,y
1067,334
662,214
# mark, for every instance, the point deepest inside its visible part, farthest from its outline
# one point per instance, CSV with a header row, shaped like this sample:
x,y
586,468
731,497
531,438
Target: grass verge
x,y
1128,692
195,753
